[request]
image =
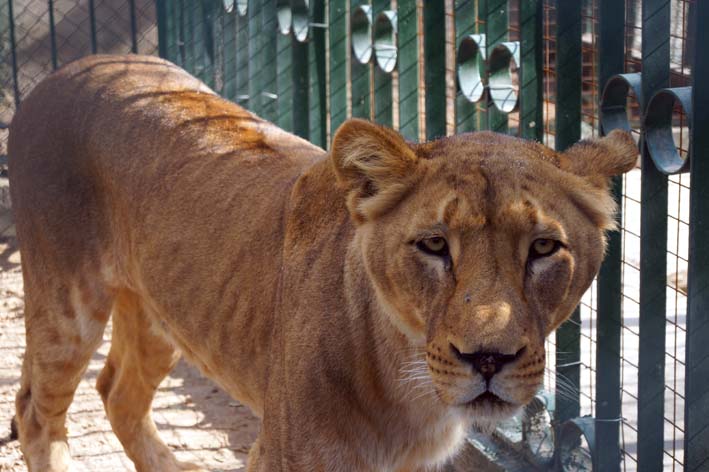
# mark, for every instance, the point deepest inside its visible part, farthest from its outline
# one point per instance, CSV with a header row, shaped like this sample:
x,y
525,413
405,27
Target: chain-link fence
x,y
37,36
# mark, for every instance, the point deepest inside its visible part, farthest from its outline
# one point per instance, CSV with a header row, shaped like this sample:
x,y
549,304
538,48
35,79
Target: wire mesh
x,y
79,27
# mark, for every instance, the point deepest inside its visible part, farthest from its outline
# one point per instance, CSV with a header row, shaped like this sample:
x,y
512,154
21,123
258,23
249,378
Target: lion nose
x,y
486,363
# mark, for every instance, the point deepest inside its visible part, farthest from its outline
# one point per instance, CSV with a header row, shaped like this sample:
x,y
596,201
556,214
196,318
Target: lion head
x,y
478,246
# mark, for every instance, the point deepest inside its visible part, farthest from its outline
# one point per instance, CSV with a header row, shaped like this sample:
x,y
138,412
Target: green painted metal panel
x,y
496,31
568,132
531,78
435,61
359,78
269,89
653,250
242,60
338,63
465,16
696,413
317,64
382,80
408,69
256,59
608,322
284,82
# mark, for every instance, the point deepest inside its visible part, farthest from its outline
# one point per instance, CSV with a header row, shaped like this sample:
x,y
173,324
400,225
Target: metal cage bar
x,y
496,31
338,63
382,80
407,19
435,63
653,249
696,442
568,131
609,321
531,117
464,26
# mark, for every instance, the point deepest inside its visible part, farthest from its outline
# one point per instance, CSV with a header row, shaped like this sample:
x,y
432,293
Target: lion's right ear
x,y
374,165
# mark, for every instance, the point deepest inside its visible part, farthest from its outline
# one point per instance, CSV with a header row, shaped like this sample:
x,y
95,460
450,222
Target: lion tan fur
x,y
293,278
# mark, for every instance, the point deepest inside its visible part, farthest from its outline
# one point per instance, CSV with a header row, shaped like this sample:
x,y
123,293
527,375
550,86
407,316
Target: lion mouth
x,y
488,398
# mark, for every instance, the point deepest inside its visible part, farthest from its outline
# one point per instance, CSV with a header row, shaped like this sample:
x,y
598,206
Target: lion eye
x,y
544,247
436,246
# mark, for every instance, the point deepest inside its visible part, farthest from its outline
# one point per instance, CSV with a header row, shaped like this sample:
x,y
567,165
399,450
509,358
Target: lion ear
x,y
600,158
374,165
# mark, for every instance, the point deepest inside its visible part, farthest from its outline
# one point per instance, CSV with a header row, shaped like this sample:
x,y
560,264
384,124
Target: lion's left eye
x,y
436,246
543,248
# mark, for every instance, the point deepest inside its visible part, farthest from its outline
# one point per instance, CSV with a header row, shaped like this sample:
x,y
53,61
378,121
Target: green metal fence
x,y
628,376
544,70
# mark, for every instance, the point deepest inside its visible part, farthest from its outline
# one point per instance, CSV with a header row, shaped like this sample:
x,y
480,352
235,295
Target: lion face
x,y
478,247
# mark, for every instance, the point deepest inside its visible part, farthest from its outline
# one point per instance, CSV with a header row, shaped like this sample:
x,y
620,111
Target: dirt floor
x,y
196,418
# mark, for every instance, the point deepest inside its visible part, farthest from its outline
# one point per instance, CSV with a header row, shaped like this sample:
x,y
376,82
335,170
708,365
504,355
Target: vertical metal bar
x,y
206,54
52,34
496,32
214,17
653,250
229,30
181,33
189,35
269,104
464,25
318,88
242,60
359,74
696,406
92,23
568,131
13,53
285,82
407,21
255,56
382,80
164,31
435,61
301,107
531,117
611,55
338,63
133,28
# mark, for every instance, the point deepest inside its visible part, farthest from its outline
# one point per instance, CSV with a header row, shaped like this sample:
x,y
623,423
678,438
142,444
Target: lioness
x,y
369,305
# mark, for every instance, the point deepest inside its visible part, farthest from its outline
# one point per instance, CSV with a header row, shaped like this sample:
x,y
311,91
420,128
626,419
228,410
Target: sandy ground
x,y
196,418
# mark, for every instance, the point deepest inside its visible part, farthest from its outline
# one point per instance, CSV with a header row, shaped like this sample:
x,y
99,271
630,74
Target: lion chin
x,y
370,303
